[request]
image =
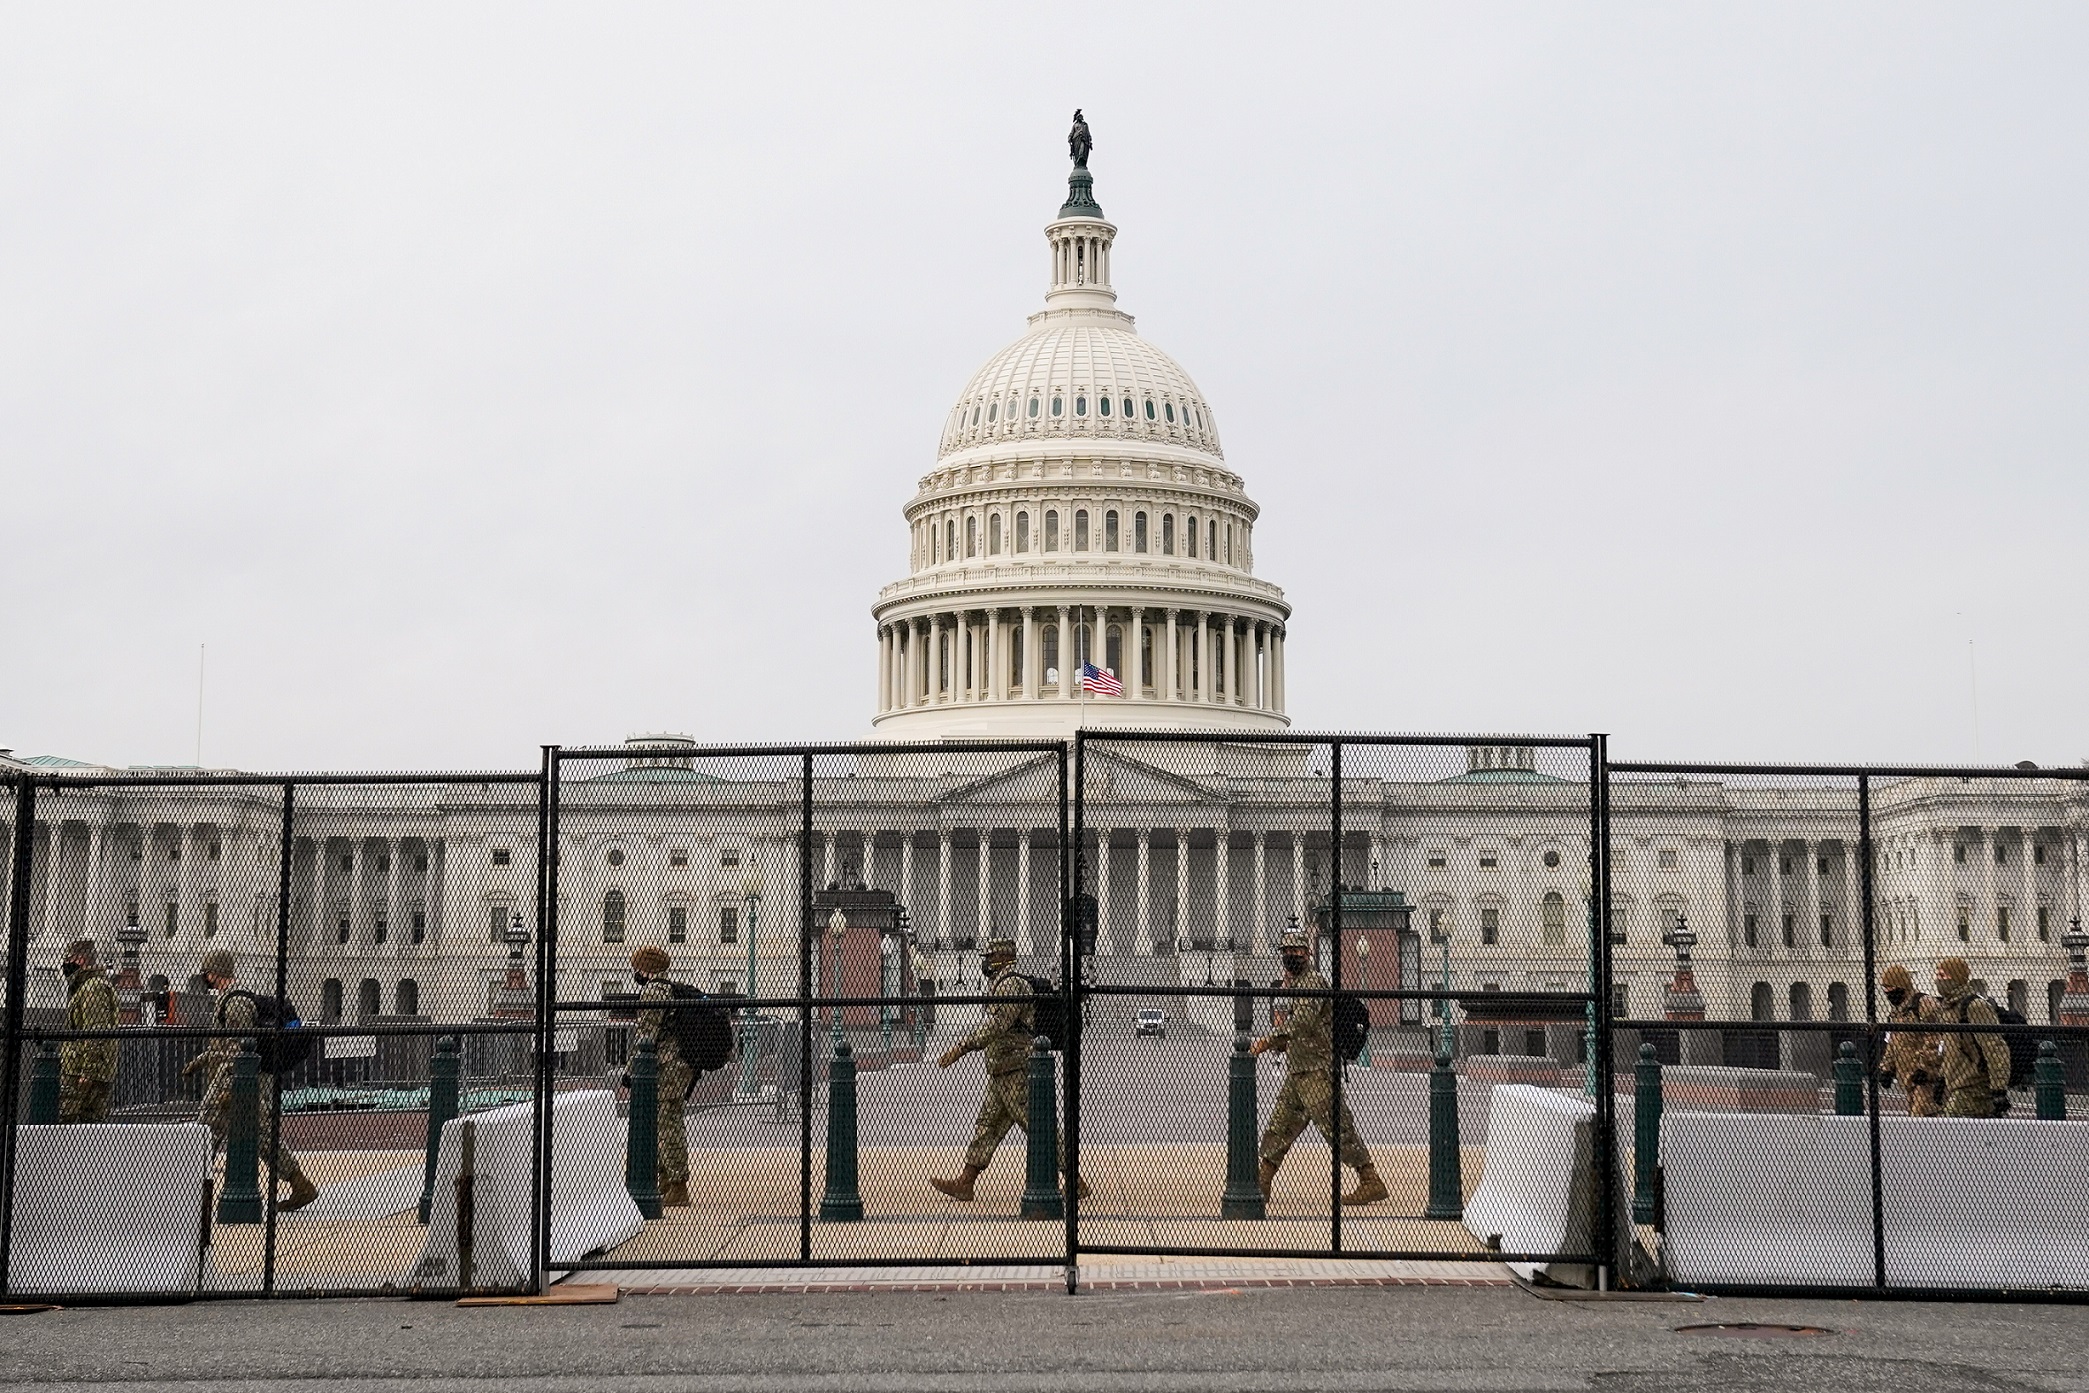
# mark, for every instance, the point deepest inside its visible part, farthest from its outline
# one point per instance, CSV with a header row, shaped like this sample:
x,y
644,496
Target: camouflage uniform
x,y
236,1012
1914,1058
87,1068
1005,1038
1976,1066
654,1025
1308,1042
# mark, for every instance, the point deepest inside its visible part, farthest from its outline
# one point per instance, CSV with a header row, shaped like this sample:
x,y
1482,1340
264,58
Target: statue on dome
x,y
1078,141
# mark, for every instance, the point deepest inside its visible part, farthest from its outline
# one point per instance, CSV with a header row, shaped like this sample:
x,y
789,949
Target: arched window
x,y
950,539
613,917
1149,408
1113,648
971,534
1080,529
330,999
1762,1003
975,415
1022,533
2053,992
1052,530
2020,998
1102,405
1015,659
1080,406
1838,1001
1168,410
1552,912
1139,531
406,998
1189,536
1128,408
1110,530
1146,656
1167,534
1033,409
1050,649
1058,406
993,534
993,412
1229,544
369,999
1801,1001
1211,540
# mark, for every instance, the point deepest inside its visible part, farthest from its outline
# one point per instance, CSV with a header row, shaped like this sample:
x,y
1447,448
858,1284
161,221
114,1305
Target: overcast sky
x,y
473,377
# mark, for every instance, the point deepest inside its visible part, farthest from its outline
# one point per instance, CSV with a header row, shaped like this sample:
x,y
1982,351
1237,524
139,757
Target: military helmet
x,y
1293,938
1896,976
218,963
1000,948
81,948
651,959
1954,970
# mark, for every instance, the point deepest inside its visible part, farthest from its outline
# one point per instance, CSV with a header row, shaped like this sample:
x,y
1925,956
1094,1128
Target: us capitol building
x,y
1080,510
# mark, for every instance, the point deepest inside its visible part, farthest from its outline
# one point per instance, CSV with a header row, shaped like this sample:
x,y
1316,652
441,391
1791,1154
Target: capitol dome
x,y
1080,512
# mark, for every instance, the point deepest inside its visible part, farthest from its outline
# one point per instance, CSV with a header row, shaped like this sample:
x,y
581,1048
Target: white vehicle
x,y
1149,1020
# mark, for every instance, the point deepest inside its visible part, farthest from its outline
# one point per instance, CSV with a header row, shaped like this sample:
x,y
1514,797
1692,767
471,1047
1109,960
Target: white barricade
x,y
590,1206
1536,1192
1966,1202
109,1207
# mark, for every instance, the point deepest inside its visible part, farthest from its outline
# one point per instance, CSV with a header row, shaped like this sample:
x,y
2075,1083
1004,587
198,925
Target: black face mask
x,y
1897,995
1294,963
640,978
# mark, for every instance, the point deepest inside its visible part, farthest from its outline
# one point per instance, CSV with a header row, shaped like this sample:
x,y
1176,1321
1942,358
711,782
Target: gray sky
x,y
470,377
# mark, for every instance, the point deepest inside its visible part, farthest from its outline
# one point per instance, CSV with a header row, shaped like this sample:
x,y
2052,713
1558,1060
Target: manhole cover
x,y
1751,1329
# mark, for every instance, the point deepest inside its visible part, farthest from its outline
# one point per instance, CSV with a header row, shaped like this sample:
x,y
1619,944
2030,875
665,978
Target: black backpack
x,y
1352,1027
1047,1009
2016,1033
279,1053
703,1031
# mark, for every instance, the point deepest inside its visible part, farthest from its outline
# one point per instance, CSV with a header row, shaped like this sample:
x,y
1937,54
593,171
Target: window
x,y
1791,930
174,851
347,859
215,850
1022,532
1138,531
1621,1000
1838,1001
1149,408
1033,409
1958,853
2045,924
993,411
501,856
330,1000
1058,406
384,861
613,917
343,926
1080,529
1167,534
2001,854
1965,925
1748,929
406,998
210,918
677,923
173,918
1211,546
1553,915
1490,924
971,535
1128,408
420,863
2002,923
1080,406
678,857
1439,925
1437,861
730,856
1051,538
1827,931
1168,410
369,999
1784,865
1665,860
1110,530
380,926
950,539
1103,405
728,924
420,925
496,923
2038,853
1229,545
1489,861
993,534
1189,536
1747,865
615,856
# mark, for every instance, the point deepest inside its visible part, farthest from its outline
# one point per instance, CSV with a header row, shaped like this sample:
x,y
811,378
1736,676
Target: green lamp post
x,y
750,1026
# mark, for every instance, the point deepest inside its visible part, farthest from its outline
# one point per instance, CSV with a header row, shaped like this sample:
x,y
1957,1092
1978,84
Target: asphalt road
x,y
1340,1340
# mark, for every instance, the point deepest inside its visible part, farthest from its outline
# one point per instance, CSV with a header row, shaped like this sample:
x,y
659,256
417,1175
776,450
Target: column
x,y
984,922
1298,877
1256,681
831,846
1221,854
1258,938
1182,883
1135,661
2028,933
1774,895
906,867
1203,665
943,930
884,669
1171,666
1102,888
996,658
1066,657
1243,662
1145,921
1276,669
1026,934
938,659
1031,657
967,657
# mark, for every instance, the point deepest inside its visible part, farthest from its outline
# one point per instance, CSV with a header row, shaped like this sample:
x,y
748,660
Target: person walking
x,y
1004,1037
1975,1063
649,968
239,1013
1306,1039
1912,1058
86,1068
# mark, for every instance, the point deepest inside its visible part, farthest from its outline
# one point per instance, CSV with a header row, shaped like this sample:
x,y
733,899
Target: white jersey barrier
x,y
1967,1202
590,1206
109,1208
1537,1183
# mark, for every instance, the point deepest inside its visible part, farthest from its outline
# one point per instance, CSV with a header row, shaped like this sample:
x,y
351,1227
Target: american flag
x,y
1099,681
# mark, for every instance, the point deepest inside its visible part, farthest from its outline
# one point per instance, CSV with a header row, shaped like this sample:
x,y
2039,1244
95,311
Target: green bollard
x,y
1446,1183
442,1106
1243,1198
1849,1081
1041,1198
2050,1086
842,1202
642,1137
1646,1134
241,1201
43,1087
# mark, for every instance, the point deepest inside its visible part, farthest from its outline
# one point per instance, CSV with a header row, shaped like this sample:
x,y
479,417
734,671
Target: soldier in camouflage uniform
x,y
236,1012
86,1068
1976,1064
649,967
1005,1038
1306,1038
1912,1057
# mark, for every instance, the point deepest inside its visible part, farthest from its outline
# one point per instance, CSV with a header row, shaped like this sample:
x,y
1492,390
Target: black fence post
x,y
1070,957
1603,1168
1446,1164
18,887
1865,856
642,1134
548,778
442,1106
1243,1198
1849,1081
2050,1087
843,1200
806,931
275,1112
1041,1136
241,1201
1646,1135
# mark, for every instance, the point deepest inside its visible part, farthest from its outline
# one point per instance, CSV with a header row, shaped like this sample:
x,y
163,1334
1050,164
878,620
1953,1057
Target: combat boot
x,y
959,1188
675,1195
1084,1191
1268,1176
1370,1189
302,1193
